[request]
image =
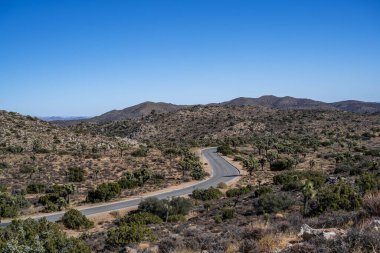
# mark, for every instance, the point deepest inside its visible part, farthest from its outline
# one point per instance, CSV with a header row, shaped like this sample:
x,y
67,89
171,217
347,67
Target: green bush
x,y
76,174
10,205
198,173
218,219
15,149
207,194
141,152
4,165
164,208
341,196
282,163
104,192
176,218
293,180
35,188
272,203
38,236
228,213
235,192
74,219
225,149
27,169
52,202
128,234
134,179
143,218
368,182
263,190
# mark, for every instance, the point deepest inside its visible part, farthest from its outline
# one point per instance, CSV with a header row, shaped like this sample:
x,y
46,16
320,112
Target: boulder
x,y
308,232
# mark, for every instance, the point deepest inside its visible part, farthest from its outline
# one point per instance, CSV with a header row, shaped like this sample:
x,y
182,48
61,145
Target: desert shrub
x,y
235,192
371,203
368,182
176,218
225,149
341,196
38,236
52,202
263,190
128,234
10,205
143,218
207,194
104,192
27,169
222,185
4,165
282,163
76,174
15,149
292,180
141,152
35,188
343,168
134,179
74,219
272,203
180,206
218,219
164,208
198,173
373,152
7,207
228,213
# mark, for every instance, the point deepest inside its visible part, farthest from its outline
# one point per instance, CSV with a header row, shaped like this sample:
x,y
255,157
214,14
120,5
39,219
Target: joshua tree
x,y
262,162
96,171
69,189
311,164
122,146
250,164
308,194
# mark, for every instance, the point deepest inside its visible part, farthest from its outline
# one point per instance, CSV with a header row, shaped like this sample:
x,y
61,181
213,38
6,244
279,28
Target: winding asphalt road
x,y
223,171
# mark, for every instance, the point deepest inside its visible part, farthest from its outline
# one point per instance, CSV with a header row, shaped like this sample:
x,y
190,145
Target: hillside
x,y
146,108
37,157
132,112
202,125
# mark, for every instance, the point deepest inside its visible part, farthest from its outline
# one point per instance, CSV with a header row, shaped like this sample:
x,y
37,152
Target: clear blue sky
x,y
73,57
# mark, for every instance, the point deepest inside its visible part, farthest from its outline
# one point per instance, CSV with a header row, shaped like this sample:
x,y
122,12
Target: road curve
x,y
223,171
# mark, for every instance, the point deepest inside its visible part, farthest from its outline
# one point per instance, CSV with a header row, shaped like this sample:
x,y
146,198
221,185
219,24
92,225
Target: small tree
x,y
250,164
74,219
262,162
311,164
122,146
308,194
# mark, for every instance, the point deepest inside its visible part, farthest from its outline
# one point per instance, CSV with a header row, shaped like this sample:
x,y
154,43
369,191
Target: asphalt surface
x,y
223,171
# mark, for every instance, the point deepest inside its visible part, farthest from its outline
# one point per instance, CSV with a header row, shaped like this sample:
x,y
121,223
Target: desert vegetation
x,y
311,180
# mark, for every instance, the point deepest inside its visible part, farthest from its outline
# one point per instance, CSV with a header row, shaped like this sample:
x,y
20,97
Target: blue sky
x,y
75,57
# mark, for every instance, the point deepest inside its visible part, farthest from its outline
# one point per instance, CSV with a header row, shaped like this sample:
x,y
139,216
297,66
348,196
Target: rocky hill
x,y
146,108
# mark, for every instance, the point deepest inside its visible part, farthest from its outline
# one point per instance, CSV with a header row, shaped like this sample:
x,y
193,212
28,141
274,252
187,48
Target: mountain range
x,y
146,108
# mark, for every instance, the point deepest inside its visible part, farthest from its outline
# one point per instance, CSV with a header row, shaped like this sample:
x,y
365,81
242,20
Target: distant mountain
x,y
279,102
287,102
137,111
357,106
302,103
132,112
58,118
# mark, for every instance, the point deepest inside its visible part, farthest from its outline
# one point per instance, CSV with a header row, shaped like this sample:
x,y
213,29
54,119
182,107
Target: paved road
x,y
222,172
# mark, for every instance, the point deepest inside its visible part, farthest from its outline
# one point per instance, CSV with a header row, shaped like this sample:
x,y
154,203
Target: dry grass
x,y
184,251
372,203
232,248
275,242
